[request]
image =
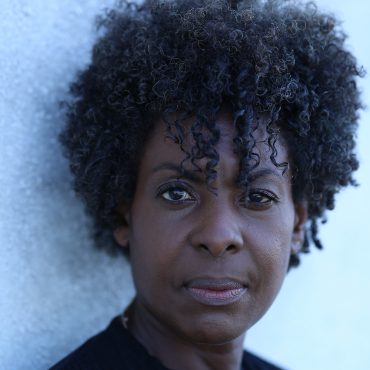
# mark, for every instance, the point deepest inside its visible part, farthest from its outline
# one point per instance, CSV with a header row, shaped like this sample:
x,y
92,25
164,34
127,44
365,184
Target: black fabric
x,y
116,349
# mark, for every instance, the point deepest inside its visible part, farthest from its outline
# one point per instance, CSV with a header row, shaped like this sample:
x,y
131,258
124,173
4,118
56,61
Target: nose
x,y
217,232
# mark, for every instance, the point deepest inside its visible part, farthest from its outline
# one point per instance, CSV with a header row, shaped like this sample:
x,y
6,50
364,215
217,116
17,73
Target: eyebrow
x,y
191,175
267,172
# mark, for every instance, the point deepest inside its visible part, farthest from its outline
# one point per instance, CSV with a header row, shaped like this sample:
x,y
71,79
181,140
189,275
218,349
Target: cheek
x,y
269,247
155,248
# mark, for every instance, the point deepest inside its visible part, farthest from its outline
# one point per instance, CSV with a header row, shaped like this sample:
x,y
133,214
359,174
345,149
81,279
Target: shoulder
x,y
252,362
114,348
86,357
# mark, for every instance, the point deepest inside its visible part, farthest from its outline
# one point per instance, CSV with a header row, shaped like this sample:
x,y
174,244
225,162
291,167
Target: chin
x,y
213,332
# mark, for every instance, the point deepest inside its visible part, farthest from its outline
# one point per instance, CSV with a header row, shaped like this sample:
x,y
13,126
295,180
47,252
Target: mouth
x,y
215,292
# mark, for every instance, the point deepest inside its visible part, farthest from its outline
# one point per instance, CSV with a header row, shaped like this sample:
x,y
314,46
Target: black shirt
x,y
116,349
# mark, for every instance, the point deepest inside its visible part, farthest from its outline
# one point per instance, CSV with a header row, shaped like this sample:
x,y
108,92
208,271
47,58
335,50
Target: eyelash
x,y
263,192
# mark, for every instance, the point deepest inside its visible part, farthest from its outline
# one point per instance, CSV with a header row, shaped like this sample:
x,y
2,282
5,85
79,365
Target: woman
x,y
204,137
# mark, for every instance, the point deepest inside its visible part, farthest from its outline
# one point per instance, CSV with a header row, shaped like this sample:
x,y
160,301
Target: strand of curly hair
x,y
280,61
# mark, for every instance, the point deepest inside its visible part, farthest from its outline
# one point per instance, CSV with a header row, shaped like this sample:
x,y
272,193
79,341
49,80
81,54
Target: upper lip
x,y
215,284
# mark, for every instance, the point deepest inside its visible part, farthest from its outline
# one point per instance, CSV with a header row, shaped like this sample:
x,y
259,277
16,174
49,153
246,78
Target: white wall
x,y
56,291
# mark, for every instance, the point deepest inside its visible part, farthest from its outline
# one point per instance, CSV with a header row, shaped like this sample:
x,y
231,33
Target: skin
x,y
244,237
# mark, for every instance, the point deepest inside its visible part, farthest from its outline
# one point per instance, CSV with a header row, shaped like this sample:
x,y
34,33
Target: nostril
x,y
204,247
230,247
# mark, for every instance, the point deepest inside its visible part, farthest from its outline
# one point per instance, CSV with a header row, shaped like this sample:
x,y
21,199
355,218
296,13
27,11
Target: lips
x,y
215,291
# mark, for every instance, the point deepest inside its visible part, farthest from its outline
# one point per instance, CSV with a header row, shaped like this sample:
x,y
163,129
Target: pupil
x,y
176,194
256,197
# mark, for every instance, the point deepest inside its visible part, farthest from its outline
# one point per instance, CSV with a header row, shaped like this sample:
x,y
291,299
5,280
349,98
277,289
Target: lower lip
x,y
216,297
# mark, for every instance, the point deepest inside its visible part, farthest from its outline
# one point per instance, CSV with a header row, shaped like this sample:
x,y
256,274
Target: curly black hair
x,y
278,59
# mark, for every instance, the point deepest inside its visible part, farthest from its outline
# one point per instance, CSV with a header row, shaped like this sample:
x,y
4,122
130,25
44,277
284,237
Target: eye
x,y
259,200
176,195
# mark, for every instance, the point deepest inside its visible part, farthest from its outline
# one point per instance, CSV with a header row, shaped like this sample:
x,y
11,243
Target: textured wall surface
x,y
56,291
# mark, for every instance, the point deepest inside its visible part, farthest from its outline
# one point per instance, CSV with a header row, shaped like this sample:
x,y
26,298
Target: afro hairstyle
x,y
279,59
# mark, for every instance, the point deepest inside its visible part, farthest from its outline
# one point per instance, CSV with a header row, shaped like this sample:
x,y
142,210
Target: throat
x,y
176,352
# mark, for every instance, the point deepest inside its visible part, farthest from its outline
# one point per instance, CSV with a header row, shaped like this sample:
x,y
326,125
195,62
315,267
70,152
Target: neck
x,y
177,353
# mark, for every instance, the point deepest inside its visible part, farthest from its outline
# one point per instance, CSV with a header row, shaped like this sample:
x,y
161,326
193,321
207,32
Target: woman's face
x,y
209,268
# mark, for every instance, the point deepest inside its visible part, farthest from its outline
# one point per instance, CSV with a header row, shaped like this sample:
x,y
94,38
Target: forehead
x,y
162,148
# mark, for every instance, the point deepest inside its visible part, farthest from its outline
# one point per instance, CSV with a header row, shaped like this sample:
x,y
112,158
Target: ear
x,y
299,228
122,232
